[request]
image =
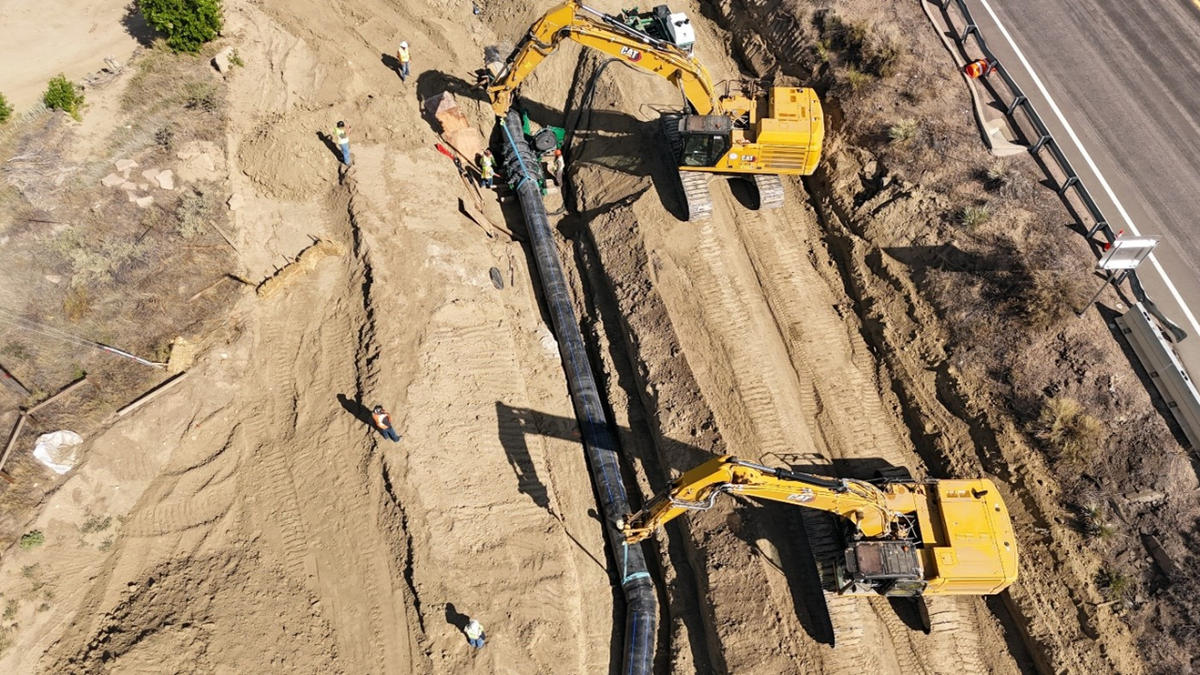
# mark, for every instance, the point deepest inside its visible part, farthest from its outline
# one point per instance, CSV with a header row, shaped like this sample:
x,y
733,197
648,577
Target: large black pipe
x,y
521,168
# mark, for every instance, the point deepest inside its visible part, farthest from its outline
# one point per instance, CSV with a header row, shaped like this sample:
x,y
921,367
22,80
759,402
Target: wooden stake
x,y
12,440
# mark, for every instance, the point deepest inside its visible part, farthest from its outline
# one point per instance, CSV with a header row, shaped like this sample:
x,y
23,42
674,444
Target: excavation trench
x,y
636,584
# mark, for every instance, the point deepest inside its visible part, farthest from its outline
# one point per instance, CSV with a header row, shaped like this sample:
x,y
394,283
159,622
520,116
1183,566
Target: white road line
x,y
1088,158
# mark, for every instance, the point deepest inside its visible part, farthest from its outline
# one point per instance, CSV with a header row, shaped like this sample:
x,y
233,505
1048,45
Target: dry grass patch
x,y
1073,435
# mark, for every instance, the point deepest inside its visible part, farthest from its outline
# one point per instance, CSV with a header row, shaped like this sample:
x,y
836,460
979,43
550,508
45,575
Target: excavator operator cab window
x,y
705,139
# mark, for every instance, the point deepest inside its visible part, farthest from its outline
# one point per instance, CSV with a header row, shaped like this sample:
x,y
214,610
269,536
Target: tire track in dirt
x,y
762,389
819,341
843,372
458,412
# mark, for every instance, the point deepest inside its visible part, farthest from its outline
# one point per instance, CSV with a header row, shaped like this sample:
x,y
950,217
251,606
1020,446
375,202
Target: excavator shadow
x,y
795,544
606,139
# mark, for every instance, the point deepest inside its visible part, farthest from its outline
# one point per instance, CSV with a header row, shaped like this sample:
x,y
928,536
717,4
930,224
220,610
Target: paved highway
x,y
1126,79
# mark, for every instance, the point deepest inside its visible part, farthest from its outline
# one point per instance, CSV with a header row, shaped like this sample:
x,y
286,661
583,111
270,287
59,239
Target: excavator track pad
x,y
694,183
770,191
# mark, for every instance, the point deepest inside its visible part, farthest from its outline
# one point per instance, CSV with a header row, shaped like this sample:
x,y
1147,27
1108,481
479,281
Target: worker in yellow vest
x,y
342,138
487,169
979,68
403,57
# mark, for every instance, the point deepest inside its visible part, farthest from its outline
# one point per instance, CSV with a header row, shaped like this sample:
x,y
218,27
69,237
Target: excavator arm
x,y
943,537
859,502
573,21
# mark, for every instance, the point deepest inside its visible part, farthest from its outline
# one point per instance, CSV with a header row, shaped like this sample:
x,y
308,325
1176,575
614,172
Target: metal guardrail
x,y
1147,341
1044,139
1164,368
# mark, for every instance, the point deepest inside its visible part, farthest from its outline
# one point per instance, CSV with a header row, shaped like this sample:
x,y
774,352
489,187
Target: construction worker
x,y
402,56
384,421
979,68
487,169
557,166
475,636
341,136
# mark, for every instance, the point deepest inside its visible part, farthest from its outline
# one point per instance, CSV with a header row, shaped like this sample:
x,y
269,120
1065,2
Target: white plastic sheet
x,y
58,450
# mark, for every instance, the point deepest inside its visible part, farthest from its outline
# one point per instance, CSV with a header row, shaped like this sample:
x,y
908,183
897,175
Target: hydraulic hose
x,y
641,615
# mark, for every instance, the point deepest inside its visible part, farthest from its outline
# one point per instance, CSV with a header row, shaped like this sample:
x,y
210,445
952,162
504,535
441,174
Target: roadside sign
x,y
1127,253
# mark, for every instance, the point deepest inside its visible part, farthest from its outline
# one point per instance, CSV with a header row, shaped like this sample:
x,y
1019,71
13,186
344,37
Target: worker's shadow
x,y
390,62
360,411
454,618
328,141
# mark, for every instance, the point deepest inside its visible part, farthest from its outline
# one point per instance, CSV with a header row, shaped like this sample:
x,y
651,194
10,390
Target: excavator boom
x,y
591,28
748,132
948,537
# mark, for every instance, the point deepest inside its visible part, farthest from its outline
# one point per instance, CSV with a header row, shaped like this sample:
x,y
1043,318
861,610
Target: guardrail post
x,y
1016,102
1067,185
1037,147
944,4
971,28
1096,228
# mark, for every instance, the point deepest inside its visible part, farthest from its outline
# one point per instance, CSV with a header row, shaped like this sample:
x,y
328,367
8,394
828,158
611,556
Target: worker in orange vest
x,y
979,68
384,421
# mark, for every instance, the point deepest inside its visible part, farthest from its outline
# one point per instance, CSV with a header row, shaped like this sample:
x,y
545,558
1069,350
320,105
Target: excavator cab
x,y
706,138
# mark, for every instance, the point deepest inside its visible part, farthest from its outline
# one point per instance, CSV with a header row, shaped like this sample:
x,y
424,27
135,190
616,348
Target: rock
x,y
53,278
112,180
236,201
166,180
1146,497
201,161
150,174
144,202
222,61
125,164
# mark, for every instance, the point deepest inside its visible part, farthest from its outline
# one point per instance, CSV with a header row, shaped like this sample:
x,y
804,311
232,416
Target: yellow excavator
x,y
902,538
749,132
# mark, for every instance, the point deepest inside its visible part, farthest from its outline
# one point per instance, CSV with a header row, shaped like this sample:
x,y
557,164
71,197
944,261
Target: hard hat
x,y
341,123
378,409
403,45
557,153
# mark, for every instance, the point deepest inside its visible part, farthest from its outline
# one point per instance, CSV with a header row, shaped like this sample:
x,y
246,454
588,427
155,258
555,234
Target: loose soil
x,y
251,521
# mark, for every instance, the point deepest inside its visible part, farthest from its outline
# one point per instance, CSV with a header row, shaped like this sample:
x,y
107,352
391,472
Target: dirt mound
x,y
174,620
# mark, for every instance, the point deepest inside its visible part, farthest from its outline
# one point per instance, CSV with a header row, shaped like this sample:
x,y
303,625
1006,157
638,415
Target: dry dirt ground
x,y
260,525
44,39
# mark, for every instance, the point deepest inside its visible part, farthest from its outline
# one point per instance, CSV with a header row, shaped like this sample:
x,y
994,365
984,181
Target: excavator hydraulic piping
x,y
832,484
641,604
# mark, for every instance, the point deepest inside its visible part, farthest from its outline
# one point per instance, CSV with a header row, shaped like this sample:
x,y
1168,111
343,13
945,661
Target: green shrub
x,y
1114,585
32,539
6,109
188,24
61,94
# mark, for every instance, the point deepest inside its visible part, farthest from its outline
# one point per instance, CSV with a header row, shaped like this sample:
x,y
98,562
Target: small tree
x,y
5,109
188,24
61,94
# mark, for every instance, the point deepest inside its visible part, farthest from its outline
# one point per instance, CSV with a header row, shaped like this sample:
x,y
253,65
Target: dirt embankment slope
x,y
264,526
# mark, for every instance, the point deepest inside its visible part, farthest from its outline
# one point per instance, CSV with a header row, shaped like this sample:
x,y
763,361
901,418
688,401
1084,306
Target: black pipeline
x,y
641,617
